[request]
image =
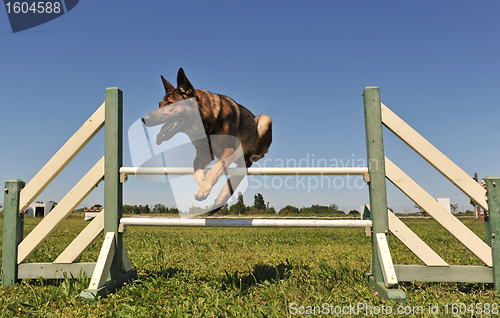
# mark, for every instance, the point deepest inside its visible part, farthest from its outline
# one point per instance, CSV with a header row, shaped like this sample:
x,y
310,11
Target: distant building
x,y
445,202
91,213
39,209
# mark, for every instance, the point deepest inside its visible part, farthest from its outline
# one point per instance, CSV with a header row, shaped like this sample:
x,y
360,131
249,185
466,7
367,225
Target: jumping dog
x,y
220,116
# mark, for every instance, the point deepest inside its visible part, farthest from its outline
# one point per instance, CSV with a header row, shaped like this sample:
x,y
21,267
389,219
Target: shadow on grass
x,y
165,272
261,274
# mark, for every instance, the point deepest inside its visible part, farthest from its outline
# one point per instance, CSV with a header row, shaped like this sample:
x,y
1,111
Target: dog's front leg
x,y
202,159
227,158
199,176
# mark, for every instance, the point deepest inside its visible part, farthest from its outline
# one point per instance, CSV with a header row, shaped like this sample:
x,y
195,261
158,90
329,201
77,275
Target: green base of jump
x,y
392,294
110,287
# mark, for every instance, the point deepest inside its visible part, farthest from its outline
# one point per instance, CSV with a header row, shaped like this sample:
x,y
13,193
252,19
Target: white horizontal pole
x,y
244,222
250,171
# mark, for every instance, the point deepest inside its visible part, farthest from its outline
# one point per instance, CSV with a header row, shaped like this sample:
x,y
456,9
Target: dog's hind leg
x,y
228,190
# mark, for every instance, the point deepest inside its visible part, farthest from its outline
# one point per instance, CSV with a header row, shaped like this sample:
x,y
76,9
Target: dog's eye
x,y
164,103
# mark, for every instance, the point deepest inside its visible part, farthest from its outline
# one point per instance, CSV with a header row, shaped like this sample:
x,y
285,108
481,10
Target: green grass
x,y
239,272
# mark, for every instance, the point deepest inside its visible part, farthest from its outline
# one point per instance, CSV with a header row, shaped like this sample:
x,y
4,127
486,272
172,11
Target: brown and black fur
x,y
220,115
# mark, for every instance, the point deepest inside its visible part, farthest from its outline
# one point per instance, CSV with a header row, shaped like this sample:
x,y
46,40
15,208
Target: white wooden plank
x,y
453,273
74,197
384,255
82,241
101,271
456,228
53,271
434,157
413,242
57,163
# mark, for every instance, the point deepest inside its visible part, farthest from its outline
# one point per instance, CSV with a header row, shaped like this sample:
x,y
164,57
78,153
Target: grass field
x,y
246,272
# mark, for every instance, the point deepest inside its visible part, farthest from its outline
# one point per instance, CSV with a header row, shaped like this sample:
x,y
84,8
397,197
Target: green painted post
x,y
12,231
376,164
112,163
377,187
113,194
493,195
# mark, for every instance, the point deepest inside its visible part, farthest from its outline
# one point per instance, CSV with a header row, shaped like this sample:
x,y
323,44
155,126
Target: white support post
x,y
384,255
453,225
82,241
74,197
100,275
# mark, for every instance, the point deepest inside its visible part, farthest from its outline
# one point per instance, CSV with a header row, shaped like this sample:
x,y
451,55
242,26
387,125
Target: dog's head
x,y
176,109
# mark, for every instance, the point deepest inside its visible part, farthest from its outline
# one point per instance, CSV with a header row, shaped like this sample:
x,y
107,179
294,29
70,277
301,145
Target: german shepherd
x,y
220,116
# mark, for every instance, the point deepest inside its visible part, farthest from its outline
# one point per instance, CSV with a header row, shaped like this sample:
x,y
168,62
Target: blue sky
x,y
305,64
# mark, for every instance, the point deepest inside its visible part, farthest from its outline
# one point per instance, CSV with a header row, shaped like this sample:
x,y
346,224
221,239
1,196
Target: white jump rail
x,y
244,222
276,171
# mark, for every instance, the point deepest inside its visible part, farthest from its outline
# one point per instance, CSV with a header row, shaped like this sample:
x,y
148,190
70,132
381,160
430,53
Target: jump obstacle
x,y
113,269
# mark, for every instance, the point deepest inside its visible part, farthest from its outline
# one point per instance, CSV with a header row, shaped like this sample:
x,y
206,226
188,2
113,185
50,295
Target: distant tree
x,y
354,212
454,208
240,198
420,210
196,210
289,210
224,210
126,209
271,210
237,208
473,203
317,209
97,206
259,203
333,207
174,211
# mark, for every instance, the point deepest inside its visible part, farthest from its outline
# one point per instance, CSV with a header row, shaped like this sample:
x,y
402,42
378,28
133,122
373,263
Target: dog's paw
x,y
202,193
199,176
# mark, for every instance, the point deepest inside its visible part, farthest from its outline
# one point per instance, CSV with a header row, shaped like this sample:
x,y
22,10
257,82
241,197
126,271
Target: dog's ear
x,y
183,83
168,87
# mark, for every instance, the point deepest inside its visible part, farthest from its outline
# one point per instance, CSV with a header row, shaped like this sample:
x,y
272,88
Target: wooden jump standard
x,y
113,268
